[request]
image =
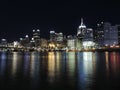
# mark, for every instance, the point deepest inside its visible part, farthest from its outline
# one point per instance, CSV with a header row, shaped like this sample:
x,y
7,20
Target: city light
x,y
104,37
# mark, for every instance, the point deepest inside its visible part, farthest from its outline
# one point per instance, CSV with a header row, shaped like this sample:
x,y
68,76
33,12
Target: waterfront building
x,y
99,35
81,30
59,37
16,44
80,34
56,39
118,26
52,36
110,34
36,37
24,41
59,40
3,42
32,42
85,36
106,34
88,41
71,42
78,44
43,43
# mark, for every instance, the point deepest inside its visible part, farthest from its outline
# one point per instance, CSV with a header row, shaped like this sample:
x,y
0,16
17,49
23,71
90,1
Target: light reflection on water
x,y
34,64
51,66
63,70
71,63
16,63
86,70
2,63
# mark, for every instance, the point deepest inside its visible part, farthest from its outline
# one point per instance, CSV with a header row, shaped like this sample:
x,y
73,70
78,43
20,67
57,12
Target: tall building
x,y
59,37
24,41
71,42
43,43
106,34
118,34
88,41
85,35
3,42
88,35
110,34
52,36
36,37
99,34
36,34
80,34
81,30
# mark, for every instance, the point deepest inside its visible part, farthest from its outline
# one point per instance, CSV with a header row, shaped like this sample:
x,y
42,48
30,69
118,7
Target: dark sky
x,y
20,17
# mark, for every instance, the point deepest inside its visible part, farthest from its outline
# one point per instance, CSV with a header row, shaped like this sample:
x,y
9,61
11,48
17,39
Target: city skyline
x,y
85,39
56,31
21,17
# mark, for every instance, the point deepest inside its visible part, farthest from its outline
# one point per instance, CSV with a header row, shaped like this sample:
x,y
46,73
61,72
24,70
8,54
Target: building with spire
x,y
81,30
85,36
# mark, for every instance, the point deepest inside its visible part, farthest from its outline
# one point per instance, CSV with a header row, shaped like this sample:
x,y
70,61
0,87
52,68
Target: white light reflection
x,y
34,64
86,69
87,62
71,63
14,63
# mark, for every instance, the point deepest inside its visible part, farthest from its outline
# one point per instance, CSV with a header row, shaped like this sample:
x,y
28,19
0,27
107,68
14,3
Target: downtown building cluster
x,y
104,36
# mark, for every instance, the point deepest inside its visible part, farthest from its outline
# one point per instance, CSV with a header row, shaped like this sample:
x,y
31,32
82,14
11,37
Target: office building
x,y
36,37
71,42
106,34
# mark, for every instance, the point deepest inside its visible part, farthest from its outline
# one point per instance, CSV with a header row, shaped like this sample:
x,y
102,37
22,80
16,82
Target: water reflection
x,y
71,63
58,63
34,64
51,66
64,70
86,70
26,63
3,63
107,62
16,63
115,62
88,63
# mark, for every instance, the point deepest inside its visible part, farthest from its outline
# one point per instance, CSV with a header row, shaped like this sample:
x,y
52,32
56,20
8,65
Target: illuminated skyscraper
x,y
99,34
36,37
85,36
3,42
59,37
52,36
36,34
118,34
81,30
87,40
71,42
106,34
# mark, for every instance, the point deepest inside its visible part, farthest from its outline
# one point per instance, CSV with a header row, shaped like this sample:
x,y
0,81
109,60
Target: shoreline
x,y
84,50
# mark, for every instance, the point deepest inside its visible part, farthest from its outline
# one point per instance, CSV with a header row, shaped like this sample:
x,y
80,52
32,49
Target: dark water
x,y
60,71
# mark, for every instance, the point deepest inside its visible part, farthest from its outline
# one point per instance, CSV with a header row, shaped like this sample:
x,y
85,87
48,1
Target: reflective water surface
x,y
60,71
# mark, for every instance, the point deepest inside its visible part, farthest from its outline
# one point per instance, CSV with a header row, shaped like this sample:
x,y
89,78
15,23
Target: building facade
x,y
118,26
85,35
106,34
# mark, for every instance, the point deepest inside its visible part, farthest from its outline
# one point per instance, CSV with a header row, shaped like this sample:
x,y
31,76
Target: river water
x,y
60,71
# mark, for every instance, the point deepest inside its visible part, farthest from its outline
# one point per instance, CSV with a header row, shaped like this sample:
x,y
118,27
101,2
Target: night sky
x,y
20,17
